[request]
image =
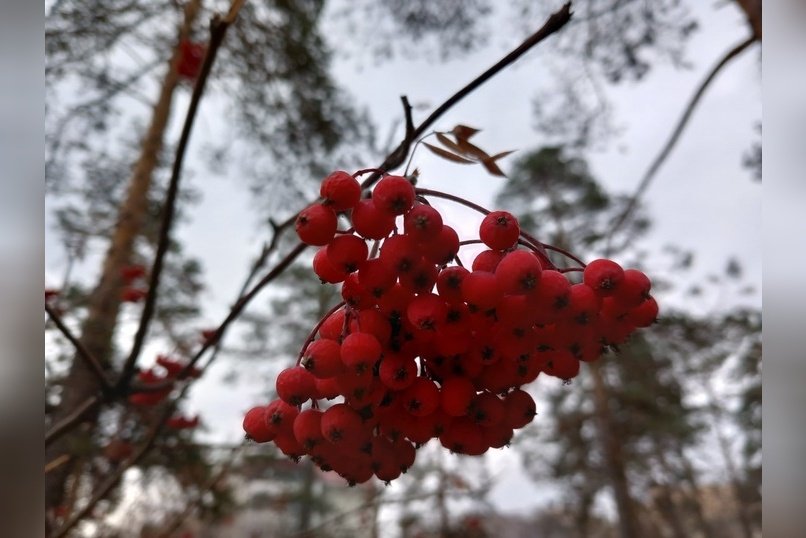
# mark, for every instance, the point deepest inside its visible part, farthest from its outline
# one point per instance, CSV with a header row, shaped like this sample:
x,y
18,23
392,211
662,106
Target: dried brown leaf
x,y
447,142
492,168
463,132
447,154
501,155
471,149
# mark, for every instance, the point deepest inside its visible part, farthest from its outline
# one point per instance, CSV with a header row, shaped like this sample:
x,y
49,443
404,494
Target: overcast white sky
x,y
701,200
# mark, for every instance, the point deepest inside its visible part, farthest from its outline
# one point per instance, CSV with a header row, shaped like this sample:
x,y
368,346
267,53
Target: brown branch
x,y
71,420
553,24
83,352
218,29
649,175
58,462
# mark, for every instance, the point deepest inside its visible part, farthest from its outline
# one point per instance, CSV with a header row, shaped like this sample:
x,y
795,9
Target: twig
x,y
553,24
218,29
58,462
71,420
649,175
83,352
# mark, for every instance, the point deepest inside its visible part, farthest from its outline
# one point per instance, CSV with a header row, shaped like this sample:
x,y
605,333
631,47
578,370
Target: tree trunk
x,y
694,503
104,302
614,458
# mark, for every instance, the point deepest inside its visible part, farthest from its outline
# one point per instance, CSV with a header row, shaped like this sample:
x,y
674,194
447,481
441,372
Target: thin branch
x,y
58,462
71,420
218,29
678,130
83,352
395,159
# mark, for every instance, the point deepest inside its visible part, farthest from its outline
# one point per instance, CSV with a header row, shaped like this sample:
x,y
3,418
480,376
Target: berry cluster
x,y
423,347
164,372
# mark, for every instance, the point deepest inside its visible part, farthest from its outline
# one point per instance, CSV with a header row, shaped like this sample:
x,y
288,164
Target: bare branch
x,y
649,175
218,29
71,420
83,352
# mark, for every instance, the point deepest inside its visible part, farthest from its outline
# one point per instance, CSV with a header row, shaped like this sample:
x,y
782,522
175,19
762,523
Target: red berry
x,y
370,222
332,327
421,278
644,314
323,358
427,312
480,290
456,395
520,408
449,283
132,272
393,195
397,371
360,352
603,276
487,260
634,288
280,416
487,409
308,428
499,230
422,223
518,272
254,424
401,253
133,295
376,276
341,425
325,270
584,304
442,247
295,385
316,225
340,190
421,398
346,252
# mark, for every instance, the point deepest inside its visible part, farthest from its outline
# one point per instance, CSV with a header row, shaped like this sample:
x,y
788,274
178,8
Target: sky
x,y
702,199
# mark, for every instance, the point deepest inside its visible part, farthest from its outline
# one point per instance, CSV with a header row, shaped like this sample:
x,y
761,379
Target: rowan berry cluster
x,y
423,347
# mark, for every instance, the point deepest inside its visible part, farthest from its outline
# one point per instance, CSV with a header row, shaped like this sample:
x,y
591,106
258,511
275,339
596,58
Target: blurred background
x,y
662,438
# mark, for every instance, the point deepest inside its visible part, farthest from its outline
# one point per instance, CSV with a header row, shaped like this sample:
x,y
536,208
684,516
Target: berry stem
x,y
538,246
565,253
570,269
368,170
315,329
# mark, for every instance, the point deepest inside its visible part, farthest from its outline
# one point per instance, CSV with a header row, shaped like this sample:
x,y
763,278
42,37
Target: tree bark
x,y
613,455
104,303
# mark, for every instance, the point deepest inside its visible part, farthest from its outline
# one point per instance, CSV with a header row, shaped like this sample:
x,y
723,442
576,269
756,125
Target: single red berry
x,y
346,252
401,252
370,222
520,408
393,195
449,283
487,409
356,295
584,304
191,55
456,395
316,225
603,276
422,223
421,278
308,428
376,276
498,435
480,290
340,190
332,327
427,312
280,416
373,322
634,288
499,230
561,364
487,260
442,247
518,272
644,314
295,385
325,270
397,371
421,398
254,424
341,425
360,351
323,358
288,445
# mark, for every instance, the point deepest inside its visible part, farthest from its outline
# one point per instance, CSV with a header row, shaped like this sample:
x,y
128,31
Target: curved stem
x,y
565,253
678,130
367,170
315,330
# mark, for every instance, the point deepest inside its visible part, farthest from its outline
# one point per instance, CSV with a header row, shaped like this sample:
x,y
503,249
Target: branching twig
x,y
218,29
649,175
71,420
83,352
